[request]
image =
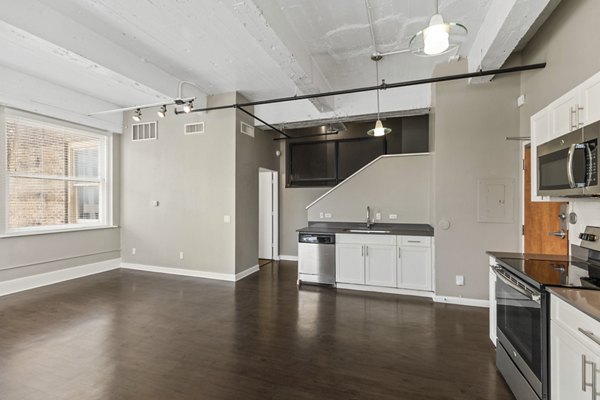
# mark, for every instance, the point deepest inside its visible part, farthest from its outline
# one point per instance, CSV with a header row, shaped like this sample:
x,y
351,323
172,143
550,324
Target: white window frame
x,y
104,180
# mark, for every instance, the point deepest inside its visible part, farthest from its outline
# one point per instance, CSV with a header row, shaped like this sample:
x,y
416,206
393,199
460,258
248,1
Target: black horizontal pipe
x,y
306,136
383,86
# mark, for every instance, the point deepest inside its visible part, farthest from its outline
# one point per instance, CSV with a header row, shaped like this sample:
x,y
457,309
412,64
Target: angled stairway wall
x,y
392,184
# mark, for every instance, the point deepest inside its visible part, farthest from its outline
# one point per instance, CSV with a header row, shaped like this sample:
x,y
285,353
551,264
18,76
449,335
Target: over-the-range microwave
x,y
568,166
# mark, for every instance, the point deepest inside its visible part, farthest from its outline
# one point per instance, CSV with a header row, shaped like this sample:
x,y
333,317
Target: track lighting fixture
x,y
187,108
137,115
162,112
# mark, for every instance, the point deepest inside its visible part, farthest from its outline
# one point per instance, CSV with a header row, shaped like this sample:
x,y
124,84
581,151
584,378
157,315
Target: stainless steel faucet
x,y
369,220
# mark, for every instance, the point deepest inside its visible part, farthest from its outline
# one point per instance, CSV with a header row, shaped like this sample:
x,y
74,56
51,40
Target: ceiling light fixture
x,y
187,108
439,37
137,115
162,112
379,129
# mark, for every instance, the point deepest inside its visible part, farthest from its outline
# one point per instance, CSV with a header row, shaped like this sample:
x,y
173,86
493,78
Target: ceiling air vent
x,y
247,129
144,131
193,129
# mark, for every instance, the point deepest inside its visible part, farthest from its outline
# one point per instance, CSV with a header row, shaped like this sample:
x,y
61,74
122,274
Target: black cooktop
x,y
540,272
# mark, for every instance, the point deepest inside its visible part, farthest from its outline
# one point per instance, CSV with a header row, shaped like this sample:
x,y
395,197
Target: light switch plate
x,y
460,280
227,219
378,216
321,215
327,215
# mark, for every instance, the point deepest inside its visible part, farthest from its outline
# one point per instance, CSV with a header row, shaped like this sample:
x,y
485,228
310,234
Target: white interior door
x,y
268,220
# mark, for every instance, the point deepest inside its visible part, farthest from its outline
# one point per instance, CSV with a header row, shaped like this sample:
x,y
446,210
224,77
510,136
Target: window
x,y
56,176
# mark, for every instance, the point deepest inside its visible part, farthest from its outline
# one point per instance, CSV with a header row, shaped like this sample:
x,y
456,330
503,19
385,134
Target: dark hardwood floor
x,y
135,335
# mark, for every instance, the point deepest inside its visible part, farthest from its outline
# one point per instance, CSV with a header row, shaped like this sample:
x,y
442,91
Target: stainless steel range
x,y
523,307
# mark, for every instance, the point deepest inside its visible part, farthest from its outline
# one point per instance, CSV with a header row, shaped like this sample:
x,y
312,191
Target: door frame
x,y
274,210
524,145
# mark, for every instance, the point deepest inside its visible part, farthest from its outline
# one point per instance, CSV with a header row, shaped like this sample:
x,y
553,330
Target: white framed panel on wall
x,y
496,201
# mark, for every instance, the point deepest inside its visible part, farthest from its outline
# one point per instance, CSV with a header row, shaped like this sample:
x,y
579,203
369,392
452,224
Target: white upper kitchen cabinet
x,y
380,264
590,100
564,115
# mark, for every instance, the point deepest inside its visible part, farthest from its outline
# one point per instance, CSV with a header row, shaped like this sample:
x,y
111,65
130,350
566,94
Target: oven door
x,y
521,329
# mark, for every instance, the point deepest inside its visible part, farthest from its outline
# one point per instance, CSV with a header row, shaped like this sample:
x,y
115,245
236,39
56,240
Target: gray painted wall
x,y
398,185
471,122
193,178
292,209
23,256
251,154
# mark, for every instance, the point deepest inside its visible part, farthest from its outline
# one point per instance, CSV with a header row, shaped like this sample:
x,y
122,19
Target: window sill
x,y
53,231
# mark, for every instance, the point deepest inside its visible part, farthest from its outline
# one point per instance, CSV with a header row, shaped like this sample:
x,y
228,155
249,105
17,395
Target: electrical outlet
x,y
393,216
378,216
460,280
133,251
227,219
181,255
321,215
154,203
327,215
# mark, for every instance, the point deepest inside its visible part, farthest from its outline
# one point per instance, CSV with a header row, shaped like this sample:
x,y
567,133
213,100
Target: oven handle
x,y
570,177
530,295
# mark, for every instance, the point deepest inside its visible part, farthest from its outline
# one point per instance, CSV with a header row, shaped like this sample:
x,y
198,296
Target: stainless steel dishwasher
x,y
316,259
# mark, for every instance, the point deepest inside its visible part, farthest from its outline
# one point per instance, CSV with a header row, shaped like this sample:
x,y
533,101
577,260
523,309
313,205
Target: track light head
x,y
187,108
137,115
162,112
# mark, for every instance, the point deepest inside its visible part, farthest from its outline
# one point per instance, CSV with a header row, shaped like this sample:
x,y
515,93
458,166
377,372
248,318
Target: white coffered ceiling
x,y
70,58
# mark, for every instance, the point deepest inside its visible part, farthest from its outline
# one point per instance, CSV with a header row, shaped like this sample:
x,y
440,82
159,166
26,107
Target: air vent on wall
x,y
247,129
144,131
193,129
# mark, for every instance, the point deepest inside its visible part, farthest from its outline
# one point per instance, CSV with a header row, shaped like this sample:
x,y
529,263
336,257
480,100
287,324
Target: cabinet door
x,y
590,101
567,373
540,132
414,268
563,114
380,266
350,263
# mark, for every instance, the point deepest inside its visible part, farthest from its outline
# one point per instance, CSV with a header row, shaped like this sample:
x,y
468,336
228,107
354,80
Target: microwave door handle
x,y
570,177
588,152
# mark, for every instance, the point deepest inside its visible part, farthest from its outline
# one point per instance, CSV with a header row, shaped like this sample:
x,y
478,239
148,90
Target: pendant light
x,y
379,129
439,37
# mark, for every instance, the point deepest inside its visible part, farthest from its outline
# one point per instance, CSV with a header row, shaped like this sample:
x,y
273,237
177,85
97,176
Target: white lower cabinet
x,y
574,357
414,268
403,262
380,267
350,263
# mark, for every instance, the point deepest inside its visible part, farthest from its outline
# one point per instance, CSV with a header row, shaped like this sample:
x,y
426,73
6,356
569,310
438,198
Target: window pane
x,y
36,149
88,204
355,154
312,162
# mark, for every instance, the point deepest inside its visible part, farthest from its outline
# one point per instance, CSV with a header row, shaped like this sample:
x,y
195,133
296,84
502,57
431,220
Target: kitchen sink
x,y
366,231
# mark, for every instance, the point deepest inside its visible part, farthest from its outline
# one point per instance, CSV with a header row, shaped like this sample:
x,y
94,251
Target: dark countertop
x,y
587,301
342,227
528,256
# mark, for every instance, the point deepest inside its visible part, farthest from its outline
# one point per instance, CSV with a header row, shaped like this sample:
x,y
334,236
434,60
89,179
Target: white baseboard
x,y
246,273
50,278
181,271
380,289
288,258
463,301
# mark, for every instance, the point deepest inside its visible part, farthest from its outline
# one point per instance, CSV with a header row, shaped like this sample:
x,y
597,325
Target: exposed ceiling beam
x,y
266,23
31,16
507,26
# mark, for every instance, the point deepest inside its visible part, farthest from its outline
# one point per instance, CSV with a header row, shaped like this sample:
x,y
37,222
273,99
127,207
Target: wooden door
x,y
541,218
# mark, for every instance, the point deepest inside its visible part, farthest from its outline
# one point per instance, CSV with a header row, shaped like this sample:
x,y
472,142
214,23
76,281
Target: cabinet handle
x,y
362,250
367,247
399,256
579,119
584,384
572,118
590,335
